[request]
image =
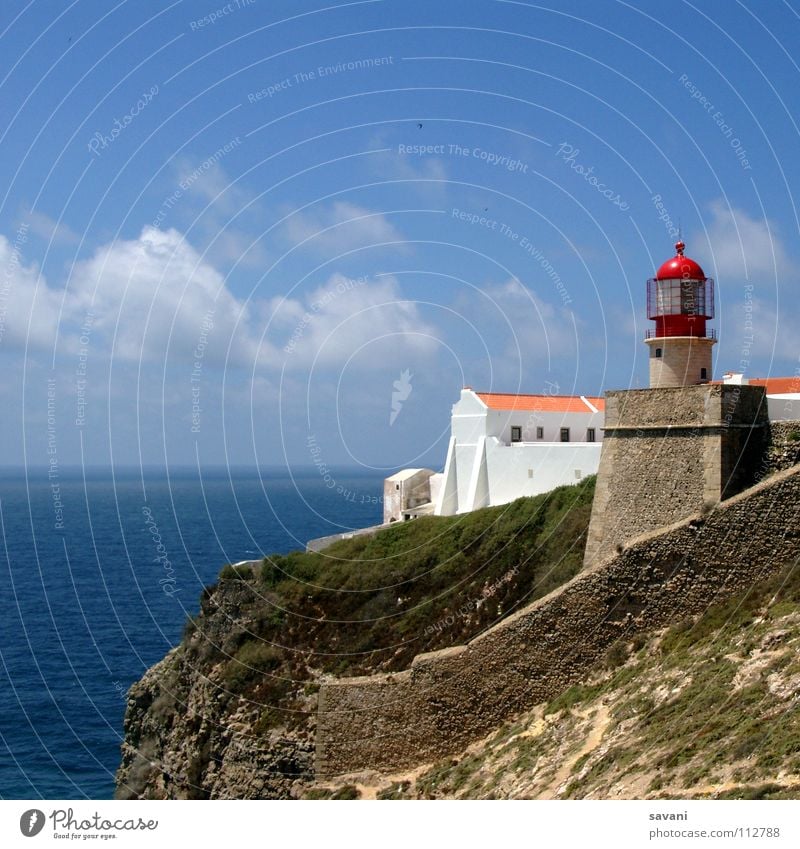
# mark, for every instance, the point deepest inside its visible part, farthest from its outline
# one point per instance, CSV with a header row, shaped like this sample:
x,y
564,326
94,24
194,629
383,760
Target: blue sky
x,y
229,229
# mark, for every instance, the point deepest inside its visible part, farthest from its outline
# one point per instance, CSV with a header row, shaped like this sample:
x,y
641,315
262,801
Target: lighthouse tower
x,y
680,299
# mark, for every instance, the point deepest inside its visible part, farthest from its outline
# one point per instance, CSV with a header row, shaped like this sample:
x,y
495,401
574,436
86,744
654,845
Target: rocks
x,y
186,738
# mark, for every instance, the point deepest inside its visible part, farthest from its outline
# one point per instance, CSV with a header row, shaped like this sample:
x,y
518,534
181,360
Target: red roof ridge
x,y
544,403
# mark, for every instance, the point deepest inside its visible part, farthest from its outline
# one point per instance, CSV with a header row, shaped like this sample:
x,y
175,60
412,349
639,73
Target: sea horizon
x,y
94,603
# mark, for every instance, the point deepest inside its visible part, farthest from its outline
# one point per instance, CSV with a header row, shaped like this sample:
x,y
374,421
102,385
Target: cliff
x,y
432,651
231,712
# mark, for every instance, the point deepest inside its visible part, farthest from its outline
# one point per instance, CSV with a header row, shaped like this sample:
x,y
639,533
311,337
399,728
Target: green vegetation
x,y
396,790
236,573
709,703
570,697
371,603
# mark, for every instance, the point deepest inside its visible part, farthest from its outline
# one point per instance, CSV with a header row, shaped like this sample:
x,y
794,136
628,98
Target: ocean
x,y
100,571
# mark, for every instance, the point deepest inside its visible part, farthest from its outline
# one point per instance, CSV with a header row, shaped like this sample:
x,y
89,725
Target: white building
x,y
783,394
409,493
503,446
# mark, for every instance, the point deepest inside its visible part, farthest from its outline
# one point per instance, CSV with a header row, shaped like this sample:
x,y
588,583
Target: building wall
x,y
321,543
669,452
681,362
471,420
786,408
531,469
485,468
405,491
448,699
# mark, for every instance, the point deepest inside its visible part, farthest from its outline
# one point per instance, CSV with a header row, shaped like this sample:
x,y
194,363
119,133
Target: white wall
x,y
472,419
783,407
531,469
485,468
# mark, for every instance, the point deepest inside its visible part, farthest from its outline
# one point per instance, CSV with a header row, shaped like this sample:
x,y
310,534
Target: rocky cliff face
x,y
706,708
187,736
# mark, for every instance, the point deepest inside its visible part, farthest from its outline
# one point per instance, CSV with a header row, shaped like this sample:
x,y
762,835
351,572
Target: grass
x,y
372,603
709,729
576,694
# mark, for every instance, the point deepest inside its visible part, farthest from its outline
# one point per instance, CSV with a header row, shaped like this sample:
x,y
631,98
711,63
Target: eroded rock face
x,y
188,737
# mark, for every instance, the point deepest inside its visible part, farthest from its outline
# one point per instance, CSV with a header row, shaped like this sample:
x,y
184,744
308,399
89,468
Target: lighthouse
x,y
680,299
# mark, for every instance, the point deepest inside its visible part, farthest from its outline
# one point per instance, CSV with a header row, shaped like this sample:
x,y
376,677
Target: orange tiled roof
x,y
778,385
540,403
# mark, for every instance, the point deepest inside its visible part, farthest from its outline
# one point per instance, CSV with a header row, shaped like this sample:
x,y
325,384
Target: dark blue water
x,y
89,601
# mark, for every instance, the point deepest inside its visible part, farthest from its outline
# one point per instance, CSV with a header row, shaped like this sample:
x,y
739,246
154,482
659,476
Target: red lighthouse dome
x,y
680,266
680,298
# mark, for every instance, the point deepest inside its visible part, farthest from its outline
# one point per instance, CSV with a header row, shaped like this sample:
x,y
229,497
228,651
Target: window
x,y
530,473
540,433
397,487
703,374
658,353
516,434
590,434
565,434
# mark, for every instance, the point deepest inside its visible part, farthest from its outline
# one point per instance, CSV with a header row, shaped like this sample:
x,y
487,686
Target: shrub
x,y
268,719
190,626
251,661
349,791
232,572
396,790
572,696
616,655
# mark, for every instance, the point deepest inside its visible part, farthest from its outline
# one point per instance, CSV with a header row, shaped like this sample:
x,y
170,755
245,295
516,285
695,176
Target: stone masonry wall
x,y
669,452
448,699
784,448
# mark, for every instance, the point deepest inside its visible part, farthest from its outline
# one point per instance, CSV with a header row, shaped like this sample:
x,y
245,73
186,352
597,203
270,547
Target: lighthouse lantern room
x,y
680,299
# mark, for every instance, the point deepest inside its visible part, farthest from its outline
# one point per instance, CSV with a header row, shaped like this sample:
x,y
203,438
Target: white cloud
x,y
231,246
755,292
340,227
28,308
154,299
744,247
534,325
154,295
49,229
366,321
426,176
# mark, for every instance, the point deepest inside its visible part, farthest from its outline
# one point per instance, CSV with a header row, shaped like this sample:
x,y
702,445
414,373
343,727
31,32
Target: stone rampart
x,y
450,698
668,453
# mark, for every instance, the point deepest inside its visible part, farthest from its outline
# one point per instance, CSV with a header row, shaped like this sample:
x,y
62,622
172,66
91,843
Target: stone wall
x,y
451,698
784,447
668,453
321,543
